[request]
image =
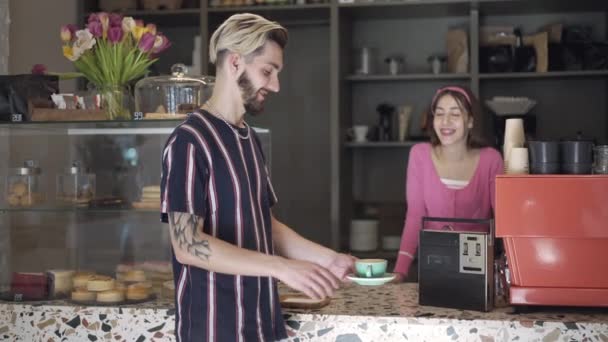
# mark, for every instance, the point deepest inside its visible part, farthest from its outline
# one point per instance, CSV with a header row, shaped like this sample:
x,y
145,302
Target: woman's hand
x,y
398,278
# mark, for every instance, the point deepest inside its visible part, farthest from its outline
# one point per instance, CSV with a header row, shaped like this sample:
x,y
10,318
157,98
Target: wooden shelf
x,y
550,74
382,144
285,14
149,13
407,77
363,10
411,3
267,8
514,7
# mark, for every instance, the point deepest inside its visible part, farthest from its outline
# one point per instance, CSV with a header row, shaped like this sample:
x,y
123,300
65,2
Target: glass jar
x,y
24,186
76,186
173,96
600,159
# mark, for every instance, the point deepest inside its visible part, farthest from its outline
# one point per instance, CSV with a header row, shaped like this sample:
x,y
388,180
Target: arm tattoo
x,y
185,228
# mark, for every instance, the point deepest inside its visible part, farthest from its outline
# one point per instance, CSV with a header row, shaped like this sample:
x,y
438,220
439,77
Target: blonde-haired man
x,y
217,196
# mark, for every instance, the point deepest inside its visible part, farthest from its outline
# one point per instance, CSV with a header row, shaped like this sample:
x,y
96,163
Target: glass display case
x,y
111,218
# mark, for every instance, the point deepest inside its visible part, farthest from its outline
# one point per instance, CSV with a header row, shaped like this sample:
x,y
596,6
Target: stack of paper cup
x,y
518,161
514,137
364,235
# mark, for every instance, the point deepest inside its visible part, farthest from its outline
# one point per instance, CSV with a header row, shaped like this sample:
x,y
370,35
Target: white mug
x,y
360,133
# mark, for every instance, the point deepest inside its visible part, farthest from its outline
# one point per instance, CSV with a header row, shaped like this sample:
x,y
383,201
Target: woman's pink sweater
x,y
426,195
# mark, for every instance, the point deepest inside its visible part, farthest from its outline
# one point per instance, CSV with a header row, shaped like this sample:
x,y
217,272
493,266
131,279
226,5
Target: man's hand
x,y
340,265
309,278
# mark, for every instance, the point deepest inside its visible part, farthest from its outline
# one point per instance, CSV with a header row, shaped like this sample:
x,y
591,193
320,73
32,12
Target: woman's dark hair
x,y
467,103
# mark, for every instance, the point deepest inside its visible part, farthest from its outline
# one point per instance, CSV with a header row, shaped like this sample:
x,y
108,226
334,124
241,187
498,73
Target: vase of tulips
x,y
112,51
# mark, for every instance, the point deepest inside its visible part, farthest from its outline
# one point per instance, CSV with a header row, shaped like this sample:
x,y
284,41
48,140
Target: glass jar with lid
x,y
76,186
173,96
24,186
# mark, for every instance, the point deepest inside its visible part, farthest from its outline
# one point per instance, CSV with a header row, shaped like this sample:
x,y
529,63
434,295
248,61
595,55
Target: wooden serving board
x,y
146,205
53,114
294,301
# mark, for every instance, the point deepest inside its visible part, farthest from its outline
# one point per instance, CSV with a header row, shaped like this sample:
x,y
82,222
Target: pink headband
x,y
451,88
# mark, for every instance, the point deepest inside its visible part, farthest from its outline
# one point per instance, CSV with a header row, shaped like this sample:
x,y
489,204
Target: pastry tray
x,y
11,297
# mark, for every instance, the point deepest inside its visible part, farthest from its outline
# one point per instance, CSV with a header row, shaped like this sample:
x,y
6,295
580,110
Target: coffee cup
x,y
360,133
370,268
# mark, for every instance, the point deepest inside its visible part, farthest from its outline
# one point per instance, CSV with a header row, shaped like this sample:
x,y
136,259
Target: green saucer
x,y
371,281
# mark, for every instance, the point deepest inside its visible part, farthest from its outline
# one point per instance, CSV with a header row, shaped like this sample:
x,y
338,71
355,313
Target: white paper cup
x,y
518,161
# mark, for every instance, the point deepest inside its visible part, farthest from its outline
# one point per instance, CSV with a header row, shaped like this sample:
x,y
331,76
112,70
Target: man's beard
x,y
249,95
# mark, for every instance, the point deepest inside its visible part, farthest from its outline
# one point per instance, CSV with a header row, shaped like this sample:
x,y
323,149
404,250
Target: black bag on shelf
x,y
595,56
566,57
497,58
525,59
17,90
577,35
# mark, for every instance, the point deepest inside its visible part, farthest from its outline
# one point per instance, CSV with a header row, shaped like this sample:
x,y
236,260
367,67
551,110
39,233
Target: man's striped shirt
x,y
211,171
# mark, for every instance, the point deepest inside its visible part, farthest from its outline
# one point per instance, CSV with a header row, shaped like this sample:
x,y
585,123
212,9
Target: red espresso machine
x,y
555,232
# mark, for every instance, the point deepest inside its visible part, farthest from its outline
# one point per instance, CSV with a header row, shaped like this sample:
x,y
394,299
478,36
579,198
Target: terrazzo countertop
x,y
356,313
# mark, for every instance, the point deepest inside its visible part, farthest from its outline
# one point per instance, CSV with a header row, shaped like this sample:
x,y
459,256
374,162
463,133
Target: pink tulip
x,y
72,29
115,34
146,42
66,34
96,29
115,20
161,43
151,28
93,18
39,69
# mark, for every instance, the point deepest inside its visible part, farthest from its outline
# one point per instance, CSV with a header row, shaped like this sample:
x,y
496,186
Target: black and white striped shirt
x,y
211,171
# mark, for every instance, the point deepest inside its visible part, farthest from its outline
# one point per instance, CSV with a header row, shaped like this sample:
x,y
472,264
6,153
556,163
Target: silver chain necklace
x,y
236,131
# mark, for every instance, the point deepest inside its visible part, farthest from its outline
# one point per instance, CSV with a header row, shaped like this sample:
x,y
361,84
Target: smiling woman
x,y
453,175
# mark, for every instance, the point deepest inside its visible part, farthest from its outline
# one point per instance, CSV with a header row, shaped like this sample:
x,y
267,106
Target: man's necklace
x,y
236,131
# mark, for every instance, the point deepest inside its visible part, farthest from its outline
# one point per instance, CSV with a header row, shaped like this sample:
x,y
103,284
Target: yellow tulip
x,y
68,52
138,31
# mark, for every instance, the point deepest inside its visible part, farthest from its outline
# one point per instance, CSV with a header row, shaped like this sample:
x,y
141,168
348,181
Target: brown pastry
x,y
120,286
82,295
168,290
100,283
123,268
158,266
13,200
139,291
110,296
18,189
134,276
81,279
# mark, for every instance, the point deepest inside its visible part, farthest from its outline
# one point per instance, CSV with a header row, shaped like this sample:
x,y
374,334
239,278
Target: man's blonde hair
x,y
244,34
